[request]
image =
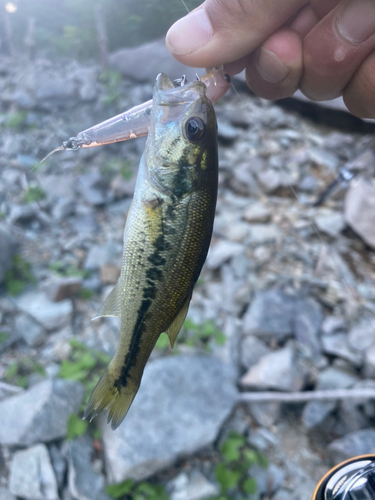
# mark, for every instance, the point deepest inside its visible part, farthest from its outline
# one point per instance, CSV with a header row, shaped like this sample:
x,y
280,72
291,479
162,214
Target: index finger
x,y
222,31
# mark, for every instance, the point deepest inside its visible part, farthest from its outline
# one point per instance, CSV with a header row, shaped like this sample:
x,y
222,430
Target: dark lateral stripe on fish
x,y
149,292
131,356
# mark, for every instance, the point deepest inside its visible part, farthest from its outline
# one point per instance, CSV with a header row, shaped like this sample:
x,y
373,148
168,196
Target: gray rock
x,y
193,487
6,494
256,212
100,255
360,208
59,465
350,418
335,378
172,416
330,222
362,335
368,405
243,181
63,208
315,413
8,390
7,249
332,324
87,77
306,325
276,370
270,180
61,288
144,62
263,439
39,414
221,251
268,479
252,350
261,234
84,482
338,345
324,158
309,184
279,324
31,331
265,414
226,132
56,92
32,476
92,188
361,442
369,364
122,187
51,315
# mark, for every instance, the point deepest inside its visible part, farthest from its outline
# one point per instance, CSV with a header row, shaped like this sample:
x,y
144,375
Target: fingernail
x,y
189,33
357,22
270,66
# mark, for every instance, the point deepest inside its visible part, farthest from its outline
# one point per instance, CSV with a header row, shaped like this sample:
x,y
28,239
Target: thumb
x,y
222,31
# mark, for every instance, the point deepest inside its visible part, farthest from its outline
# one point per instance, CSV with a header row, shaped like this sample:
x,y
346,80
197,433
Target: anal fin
x,y
112,306
176,324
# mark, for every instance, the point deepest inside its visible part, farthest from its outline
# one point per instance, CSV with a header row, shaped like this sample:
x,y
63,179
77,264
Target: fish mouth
x,y
167,94
163,83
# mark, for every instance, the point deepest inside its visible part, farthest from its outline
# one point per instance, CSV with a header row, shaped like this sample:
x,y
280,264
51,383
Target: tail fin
x,y
106,396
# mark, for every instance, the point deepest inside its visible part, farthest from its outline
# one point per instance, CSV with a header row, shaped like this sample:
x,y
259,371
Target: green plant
x,y
232,471
141,491
16,120
3,337
123,167
18,276
84,364
18,371
111,80
195,335
85,293
34,193
76,426
72,269
200,335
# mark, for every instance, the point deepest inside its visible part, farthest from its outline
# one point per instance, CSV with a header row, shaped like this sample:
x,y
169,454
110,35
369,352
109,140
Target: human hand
x,y
326,48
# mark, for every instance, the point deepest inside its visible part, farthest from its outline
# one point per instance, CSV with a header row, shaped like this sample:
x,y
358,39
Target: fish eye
x,y
194,128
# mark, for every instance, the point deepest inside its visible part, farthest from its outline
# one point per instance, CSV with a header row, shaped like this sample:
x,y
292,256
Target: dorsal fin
x,y
112,306
176,324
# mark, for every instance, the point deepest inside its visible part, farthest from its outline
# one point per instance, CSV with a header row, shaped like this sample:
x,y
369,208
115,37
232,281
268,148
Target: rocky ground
x,y
285,303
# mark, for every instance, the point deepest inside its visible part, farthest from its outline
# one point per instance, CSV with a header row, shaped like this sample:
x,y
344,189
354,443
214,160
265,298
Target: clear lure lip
x,y
135,122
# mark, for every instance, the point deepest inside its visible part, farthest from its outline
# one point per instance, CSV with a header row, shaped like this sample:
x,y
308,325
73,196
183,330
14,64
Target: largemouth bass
x,y
166,238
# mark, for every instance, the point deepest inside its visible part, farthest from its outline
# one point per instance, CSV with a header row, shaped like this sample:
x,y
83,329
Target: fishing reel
x,y
353,479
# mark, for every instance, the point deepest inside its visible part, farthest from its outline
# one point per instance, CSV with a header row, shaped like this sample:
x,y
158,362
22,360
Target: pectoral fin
x,y
112,306
176,324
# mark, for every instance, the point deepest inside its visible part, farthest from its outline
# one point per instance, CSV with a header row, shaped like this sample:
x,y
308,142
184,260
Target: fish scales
x,y
166,238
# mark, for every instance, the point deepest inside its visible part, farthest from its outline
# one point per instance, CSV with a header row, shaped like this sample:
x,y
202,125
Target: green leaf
x,y
231,447
72,371
162,342
262,460
227,478
249,486
220,338
12,370
190,325
3,337
120,489
251,458
76,426
15,287
34,193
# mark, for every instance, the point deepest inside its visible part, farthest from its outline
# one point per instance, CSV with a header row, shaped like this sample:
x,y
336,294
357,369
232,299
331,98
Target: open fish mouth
x,y
163,83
